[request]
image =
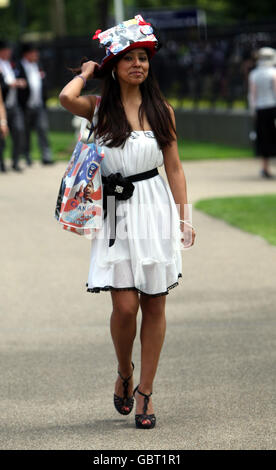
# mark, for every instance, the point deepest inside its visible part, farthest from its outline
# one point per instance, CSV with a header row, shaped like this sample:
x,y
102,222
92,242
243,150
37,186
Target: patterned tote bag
x,y
79,206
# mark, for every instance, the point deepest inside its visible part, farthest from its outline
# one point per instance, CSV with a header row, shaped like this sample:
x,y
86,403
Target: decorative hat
x,y
126,36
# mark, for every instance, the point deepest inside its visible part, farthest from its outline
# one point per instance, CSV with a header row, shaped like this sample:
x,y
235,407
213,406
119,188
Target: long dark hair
x,y
113,126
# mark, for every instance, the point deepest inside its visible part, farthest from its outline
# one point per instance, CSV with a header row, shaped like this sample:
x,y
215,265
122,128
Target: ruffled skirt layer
x,y
146,255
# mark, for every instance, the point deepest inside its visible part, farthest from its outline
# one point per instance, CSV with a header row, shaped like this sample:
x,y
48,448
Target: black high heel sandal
x,y
124,404
140,418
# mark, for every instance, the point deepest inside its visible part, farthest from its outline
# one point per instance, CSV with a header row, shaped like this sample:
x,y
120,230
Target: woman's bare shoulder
x,y
172,114
169,106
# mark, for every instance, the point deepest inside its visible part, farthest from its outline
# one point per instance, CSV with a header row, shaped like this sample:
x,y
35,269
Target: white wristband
x,y
187,222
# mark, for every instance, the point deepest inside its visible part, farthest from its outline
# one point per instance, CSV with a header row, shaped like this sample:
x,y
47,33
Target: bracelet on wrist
x,y
83,79
3,122
187,222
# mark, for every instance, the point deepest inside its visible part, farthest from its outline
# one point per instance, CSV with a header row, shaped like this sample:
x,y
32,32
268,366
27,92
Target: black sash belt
x,y
122,188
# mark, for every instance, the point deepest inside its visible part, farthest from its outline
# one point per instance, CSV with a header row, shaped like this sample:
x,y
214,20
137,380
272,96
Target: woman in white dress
x,y
139,260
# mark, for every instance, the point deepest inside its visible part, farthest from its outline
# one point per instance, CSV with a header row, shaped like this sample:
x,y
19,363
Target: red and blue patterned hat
x,y
127,35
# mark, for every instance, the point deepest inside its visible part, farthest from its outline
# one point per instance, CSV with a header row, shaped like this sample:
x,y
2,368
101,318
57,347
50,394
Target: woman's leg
x,y
265,169
152,336
123,332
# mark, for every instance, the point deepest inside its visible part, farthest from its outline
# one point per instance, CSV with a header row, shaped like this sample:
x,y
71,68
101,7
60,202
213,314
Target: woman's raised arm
x,y
70,96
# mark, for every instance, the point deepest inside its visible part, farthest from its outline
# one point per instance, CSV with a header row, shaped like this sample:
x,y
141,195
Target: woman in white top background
x,y
262,101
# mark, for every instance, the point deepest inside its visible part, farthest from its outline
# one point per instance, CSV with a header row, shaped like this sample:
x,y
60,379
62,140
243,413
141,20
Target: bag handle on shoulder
x,y
87,127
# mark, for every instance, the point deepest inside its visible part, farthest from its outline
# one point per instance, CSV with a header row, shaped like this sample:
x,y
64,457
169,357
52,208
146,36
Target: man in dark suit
x,y
4,130
10,86
32,100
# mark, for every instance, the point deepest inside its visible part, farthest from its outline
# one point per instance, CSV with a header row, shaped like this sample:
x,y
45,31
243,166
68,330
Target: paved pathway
x,y
215,387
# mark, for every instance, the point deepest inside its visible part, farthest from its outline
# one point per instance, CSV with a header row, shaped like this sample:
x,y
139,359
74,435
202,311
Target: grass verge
x,y
253,214
62,144
189,150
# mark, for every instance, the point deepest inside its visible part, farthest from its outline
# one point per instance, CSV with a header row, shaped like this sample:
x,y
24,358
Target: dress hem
x,y
97,290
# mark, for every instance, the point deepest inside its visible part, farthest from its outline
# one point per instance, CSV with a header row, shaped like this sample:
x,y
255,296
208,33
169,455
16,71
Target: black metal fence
x,y
189,67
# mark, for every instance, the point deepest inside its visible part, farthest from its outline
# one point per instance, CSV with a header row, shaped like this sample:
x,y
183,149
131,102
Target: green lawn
x,y
205,150
62,144
188,103
254,214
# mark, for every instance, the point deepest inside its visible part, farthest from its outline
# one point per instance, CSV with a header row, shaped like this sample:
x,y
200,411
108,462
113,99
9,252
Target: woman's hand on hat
x,y
87,69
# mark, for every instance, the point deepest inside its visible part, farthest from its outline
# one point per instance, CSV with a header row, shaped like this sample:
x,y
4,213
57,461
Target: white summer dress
x,y
146,255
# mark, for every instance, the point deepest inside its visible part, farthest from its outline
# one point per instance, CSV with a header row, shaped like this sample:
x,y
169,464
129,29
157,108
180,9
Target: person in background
x,y
32,100
10,86
4,130
262,101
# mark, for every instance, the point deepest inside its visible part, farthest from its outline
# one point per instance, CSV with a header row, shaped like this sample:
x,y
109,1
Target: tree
x,y
82,17
102,10
58,19
252,10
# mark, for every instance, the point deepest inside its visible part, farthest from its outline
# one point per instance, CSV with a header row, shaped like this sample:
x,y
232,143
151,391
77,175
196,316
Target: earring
x,y
113,75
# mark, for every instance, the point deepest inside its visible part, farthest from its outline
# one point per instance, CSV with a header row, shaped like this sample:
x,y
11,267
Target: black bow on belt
x,y
120,187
